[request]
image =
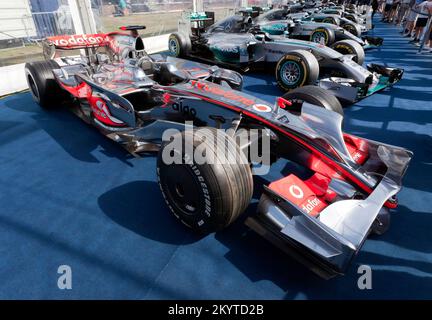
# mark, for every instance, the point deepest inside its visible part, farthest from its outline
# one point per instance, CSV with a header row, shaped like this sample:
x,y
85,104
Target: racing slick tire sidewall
x,y
208,196
179,45
306,64
329,20
328,33
42,84
351,17
353,29
315,95
350,47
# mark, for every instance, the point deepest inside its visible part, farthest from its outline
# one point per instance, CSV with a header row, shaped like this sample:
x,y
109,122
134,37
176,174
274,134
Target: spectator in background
x,y
387,10
375,6
403,10
424,9
411,18
394,10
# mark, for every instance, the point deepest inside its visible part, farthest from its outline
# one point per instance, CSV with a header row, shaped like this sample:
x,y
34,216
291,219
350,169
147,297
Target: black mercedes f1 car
x,y
341,188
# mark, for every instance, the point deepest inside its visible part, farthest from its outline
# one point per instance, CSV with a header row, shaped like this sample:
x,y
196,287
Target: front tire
x,y
350,47
353,29
207,196
330,20
296,69
323,35
314,95
42,84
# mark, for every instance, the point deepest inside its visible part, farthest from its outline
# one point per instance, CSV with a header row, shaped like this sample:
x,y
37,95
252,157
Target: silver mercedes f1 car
x,y
341,189
315,27
236,42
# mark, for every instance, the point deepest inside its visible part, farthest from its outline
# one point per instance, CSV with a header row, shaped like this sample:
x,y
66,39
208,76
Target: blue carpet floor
x,y
70,196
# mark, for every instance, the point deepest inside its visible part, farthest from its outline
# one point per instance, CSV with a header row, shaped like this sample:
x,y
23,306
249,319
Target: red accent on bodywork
x,y
357,147
82,91
283,103
319,184
166,98
299,193
219,91
100,112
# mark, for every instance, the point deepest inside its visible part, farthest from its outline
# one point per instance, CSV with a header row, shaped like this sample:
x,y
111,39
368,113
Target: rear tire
x,y
179,45
350,47
314,95
323,35
42,84
296,69
207,196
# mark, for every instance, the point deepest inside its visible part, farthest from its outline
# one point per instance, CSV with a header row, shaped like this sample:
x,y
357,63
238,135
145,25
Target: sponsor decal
x,y
186,110
77,40
220,91
296,191
261,108
311,204
227,49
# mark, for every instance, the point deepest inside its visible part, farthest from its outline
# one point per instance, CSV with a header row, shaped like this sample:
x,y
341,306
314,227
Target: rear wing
x,y
253,12
116,41
195,23
79,41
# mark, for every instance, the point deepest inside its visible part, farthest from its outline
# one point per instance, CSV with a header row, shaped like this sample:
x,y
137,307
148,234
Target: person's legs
x,y
417,33
420,24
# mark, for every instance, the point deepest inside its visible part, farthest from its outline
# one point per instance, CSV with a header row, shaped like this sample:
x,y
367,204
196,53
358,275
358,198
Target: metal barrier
x,y
52,23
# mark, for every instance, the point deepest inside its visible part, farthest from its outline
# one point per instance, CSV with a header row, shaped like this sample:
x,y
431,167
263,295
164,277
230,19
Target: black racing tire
x,y
326,34
208,196
295,69
350,47
179,45
330,20
353,28
351,17
42,84
314,95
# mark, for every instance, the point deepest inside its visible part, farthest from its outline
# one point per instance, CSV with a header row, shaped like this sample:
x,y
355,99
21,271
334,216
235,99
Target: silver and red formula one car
x,y
339,189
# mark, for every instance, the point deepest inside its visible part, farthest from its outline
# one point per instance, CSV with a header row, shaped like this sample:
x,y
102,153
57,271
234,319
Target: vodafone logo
x,y
77,40
311,204
261,108
296,191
